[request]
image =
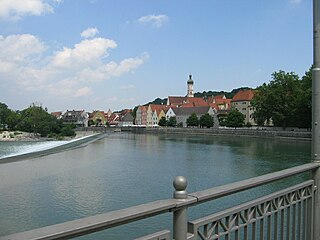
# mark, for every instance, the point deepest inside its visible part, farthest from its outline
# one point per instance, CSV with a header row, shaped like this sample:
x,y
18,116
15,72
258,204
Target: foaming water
x,y
12,149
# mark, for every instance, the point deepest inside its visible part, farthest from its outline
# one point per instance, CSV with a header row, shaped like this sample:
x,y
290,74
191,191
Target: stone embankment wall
x,y
302,135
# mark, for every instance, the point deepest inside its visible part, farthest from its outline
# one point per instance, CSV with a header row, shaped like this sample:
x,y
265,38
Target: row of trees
x,y
34,119
234,119
205,121
285,101
192,121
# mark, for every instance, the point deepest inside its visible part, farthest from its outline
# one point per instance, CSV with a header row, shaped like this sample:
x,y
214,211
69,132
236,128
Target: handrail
x,y
228,189
99,222
95,223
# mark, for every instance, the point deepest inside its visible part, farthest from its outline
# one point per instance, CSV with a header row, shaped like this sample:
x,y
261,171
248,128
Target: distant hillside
x,y
204,94
157,101
215,93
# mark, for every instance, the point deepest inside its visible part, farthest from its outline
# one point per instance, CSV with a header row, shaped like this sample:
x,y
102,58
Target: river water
x,y
123,170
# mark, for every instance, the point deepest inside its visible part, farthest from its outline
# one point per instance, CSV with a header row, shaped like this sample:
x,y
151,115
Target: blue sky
x,y
101,54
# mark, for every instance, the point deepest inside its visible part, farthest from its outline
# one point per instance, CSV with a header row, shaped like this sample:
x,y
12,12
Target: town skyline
x,y
109,54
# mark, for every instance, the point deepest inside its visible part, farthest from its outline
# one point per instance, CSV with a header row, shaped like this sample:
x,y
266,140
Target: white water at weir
x,y
12,149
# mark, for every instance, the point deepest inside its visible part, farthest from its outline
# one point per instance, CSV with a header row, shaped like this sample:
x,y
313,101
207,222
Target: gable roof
x,y
143,108
243,95
56,114
187,101
187,111
158,108
127,117
73,113
177,100
197,102
95,113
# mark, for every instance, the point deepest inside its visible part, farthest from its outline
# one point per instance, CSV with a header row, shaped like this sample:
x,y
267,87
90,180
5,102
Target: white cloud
x,y
87,52
89,32
70,72
156,20
15,9
20,48
111,69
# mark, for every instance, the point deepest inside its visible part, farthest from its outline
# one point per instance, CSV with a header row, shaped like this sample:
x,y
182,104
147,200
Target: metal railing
x,y
287,214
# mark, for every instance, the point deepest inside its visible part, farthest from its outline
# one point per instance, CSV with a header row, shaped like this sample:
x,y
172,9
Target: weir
x,y
291,213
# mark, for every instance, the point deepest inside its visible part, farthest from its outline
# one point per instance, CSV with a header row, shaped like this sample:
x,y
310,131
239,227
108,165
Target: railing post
x,y
315,154
180,216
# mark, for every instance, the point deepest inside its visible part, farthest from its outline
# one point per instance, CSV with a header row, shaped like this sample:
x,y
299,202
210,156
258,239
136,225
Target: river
x,y
125,169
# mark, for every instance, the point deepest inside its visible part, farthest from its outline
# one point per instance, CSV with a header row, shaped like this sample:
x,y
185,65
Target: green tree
x,y
303,108
67,130
234,119
4,113
277,100
192,120
37,120
172,122
13,120
206,120
163,121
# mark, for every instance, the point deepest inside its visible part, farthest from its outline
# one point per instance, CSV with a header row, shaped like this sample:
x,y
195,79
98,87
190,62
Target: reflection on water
x,y
123,170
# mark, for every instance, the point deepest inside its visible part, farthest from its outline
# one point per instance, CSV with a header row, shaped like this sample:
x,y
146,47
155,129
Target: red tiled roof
x,y
158,108
214,105
187,105
92,115
177,100
56,114
243,95
187,102
197,102
143,108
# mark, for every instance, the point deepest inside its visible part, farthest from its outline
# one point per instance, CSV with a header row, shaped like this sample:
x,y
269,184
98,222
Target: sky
x,y
116,54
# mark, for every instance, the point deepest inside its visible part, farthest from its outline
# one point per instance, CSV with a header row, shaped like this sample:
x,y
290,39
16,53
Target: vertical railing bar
x,y
305,206
269,228
309,218
294,208
312,214
261,228
282,224
237,223
246,227
315,149
275,224
262,221
180,216
299,220
254,224
288,221
227,236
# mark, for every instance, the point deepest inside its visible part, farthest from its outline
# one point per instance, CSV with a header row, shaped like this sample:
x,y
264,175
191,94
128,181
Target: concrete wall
x,y
225,132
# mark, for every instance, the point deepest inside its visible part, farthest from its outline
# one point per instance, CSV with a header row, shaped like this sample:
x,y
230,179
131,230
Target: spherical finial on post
x,y
180,184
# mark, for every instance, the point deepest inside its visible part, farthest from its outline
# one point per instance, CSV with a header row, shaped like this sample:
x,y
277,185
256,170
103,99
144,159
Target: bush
x,y
249,125
180,125
68,131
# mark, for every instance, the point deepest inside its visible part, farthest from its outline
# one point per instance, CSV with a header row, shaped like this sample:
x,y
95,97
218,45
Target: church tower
x,y
190,92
